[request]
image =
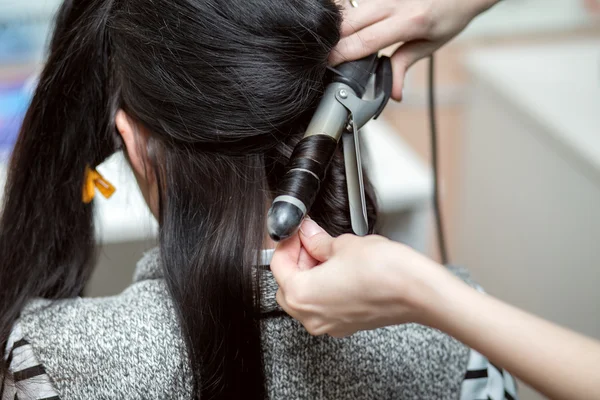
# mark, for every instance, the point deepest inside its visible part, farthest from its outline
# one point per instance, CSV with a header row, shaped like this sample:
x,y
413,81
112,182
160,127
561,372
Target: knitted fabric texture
x,y
129,346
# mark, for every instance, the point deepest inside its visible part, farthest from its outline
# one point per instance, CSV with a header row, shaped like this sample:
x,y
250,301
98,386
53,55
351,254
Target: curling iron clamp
x,y
341,113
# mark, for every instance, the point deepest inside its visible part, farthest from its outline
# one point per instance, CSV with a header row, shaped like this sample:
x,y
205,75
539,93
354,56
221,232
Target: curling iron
x,y
340,114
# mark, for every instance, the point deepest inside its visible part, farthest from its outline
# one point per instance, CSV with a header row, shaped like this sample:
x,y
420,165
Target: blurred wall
x,y
510,23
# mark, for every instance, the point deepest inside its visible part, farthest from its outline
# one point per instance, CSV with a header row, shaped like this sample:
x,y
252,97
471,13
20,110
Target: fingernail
x,y
310,228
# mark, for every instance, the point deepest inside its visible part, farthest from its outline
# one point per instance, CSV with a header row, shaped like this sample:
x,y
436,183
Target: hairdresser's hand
x,y
422,26
360,283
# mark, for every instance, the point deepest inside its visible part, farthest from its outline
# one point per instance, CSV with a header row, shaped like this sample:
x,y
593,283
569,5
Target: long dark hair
x,y
225,88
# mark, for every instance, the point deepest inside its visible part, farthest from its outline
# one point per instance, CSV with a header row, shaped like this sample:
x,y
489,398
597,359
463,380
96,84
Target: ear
x,y
135,139
135,146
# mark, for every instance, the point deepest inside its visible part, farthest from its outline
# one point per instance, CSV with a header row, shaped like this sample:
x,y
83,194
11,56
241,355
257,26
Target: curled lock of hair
x,y
225,90
331,208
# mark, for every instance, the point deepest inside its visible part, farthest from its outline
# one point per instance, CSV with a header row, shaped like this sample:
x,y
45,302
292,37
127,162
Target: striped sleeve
x,y
28,379
486,381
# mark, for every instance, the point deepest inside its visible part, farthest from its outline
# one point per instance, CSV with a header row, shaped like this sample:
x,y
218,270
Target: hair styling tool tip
x,y
341,113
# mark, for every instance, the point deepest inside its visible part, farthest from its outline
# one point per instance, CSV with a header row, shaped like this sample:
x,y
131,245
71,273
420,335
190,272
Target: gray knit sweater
x,y
129,347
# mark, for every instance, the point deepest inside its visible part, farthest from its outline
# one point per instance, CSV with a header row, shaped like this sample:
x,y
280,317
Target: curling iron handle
x,y
356,74
331,117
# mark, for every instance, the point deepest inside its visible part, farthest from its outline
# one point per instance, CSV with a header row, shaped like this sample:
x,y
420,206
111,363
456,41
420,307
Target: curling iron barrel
x,y
308,164
340,105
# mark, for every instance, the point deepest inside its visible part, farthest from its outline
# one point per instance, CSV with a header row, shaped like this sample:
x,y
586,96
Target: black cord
x,y
434,161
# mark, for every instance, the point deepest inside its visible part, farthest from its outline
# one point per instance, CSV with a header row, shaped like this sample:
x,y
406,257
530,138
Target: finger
x,y
368,13
306,261
280,297
315,240
373,38
399,73
285,259
405,57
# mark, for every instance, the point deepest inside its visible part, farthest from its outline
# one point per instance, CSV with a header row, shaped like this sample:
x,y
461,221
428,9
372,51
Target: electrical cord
x,y
434,161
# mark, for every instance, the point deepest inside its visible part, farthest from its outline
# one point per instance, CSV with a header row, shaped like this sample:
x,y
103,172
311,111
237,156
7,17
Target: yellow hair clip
x,y
93,180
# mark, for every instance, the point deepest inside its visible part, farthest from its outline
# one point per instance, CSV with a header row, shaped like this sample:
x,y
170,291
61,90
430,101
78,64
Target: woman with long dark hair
x,y
206,99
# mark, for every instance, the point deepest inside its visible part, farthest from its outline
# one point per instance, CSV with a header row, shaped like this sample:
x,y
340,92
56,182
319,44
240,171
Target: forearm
x,y
473,8
483,5
557,362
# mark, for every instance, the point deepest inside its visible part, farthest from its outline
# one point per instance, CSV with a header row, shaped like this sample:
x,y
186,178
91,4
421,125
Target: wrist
x,y
439,296
452,306
420,285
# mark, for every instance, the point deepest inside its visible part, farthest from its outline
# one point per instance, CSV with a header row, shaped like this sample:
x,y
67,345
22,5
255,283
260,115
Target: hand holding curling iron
x,y
422,26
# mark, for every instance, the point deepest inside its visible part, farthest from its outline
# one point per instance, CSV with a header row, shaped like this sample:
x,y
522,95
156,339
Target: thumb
x,y
315,240
284,263
404,57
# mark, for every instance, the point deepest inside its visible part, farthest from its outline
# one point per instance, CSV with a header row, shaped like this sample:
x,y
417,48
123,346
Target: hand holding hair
x,y
360,283
338,286
422,26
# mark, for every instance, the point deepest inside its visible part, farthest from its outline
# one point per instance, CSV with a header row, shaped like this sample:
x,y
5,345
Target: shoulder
x,y
121,346
405,361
